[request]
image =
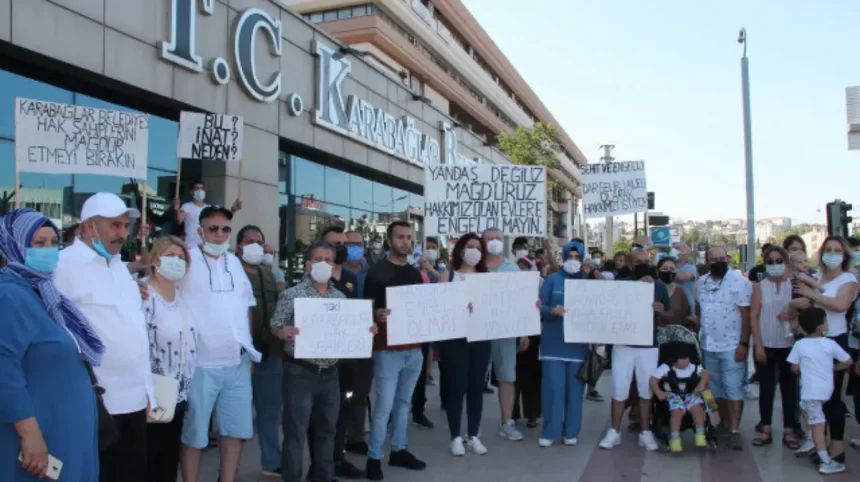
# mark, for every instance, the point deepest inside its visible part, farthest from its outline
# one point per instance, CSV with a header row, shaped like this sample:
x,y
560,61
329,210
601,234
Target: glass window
x,y
359,11
163,134
371,9
336,186
13,85
381,198
316,17
400,202
283,165
361,193
344,13
365,222
329,16
308,179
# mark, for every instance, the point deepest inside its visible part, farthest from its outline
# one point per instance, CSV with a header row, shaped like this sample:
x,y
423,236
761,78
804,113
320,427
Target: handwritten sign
x,y
460,199
427,312
210,137
613,189
53,138
503,305
611,312
333,328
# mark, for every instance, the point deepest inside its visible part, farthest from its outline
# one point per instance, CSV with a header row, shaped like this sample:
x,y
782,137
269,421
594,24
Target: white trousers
x,y
627,360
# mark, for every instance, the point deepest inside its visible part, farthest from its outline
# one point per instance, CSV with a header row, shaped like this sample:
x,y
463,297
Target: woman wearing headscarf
x,y
48,403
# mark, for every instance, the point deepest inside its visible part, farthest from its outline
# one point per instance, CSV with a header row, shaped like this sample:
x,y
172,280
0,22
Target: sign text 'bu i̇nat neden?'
x,y
54,138
459,199
613,189
210,137
333,328
610,312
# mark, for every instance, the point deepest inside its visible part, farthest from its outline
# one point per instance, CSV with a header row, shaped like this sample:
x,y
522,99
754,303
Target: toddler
x,y
813,357
682,384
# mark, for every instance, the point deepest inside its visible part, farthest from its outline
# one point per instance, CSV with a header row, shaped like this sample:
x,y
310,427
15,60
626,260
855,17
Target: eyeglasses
x,y
224,229
774,261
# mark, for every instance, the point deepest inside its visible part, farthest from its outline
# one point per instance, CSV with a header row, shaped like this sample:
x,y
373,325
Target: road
x,y
525,461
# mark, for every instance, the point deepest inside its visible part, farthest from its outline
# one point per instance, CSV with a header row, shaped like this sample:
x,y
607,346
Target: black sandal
x,y
790,441
764,438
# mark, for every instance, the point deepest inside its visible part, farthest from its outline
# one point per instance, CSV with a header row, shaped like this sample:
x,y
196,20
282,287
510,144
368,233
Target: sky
x,y
661,81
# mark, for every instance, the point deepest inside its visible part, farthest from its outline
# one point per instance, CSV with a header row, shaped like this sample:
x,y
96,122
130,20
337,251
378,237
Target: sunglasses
x,y
774,261
224,229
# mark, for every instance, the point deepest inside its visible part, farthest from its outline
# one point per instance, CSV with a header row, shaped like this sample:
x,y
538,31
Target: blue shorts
x,y
683,402
504,354
727,376
227,391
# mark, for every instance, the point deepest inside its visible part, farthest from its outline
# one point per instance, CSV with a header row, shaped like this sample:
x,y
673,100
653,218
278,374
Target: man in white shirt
x,y
189,213
91,274
723,299
219,297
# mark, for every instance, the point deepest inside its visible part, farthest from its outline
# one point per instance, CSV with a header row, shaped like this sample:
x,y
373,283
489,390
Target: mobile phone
x,y
54,467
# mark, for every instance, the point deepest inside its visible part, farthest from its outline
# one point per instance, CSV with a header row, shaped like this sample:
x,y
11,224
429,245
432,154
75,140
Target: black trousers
x,y
528,384
125,461
777,369
834,409
162,447
419,395
357,375
311,407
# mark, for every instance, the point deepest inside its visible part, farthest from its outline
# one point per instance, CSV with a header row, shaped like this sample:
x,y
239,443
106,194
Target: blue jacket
x,y
552,343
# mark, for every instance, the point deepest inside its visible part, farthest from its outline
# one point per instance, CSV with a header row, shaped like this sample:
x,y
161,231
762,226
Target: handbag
x,y
593,367
108,433
167,388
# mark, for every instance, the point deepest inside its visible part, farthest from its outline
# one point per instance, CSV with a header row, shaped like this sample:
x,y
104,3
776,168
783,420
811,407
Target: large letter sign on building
x,y
359,119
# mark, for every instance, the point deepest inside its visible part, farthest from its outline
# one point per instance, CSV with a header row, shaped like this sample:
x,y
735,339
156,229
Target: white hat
x,y
106,205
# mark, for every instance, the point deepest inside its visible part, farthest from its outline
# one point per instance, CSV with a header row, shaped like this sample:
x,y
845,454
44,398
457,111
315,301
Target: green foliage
x,y
621,244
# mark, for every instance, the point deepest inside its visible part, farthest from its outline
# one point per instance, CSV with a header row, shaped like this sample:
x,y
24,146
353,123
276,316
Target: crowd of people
x,y
123,371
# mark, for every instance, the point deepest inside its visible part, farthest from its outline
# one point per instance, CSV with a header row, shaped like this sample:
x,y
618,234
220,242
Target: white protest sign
x,y
426,312
462,198
210,137
613,189
333,328
611,312
53,138
503,305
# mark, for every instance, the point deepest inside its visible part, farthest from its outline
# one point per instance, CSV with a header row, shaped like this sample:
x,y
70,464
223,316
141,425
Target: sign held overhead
x,y
210,137
614,189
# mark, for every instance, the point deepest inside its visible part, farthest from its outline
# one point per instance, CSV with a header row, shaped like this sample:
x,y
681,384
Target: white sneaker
x,y
570,441
751,392
805,449
647,440
832,467
855,442
611,439
545,442
456,447
475,446
510,432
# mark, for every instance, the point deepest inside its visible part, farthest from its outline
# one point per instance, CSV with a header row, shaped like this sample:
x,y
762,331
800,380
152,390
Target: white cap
x,y
106,205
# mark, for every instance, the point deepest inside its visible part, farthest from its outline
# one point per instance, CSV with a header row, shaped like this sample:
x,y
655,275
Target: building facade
x,y
329,137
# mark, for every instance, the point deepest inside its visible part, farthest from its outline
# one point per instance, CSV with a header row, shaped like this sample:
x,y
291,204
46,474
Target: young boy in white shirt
x,y
812,357
681,384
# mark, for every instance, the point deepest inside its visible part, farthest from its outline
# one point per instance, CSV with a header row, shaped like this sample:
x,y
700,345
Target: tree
x,y
539,145
622,244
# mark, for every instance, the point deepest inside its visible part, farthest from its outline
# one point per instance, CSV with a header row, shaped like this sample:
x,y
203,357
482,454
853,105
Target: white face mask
x,y
495,247
252,254
321,272
199,195
572,266
269,259
596,261
472,256
521,253
216,249
432,255
172,268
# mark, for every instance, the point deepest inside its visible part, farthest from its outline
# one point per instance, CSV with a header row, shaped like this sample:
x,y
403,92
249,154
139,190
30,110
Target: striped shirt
x,y
775,333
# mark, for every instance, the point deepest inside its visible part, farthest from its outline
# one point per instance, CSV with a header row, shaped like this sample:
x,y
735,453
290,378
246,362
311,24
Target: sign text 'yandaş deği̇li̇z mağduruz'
x,y
613,189
53,138
210,137
460,199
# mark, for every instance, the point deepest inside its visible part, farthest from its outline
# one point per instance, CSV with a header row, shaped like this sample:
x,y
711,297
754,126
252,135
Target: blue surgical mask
x,y
354,253
857,257
832,260
775,270
101,250
673,253
42,260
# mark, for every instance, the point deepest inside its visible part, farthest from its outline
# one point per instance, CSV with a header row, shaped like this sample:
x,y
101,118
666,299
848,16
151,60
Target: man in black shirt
x,y
395,368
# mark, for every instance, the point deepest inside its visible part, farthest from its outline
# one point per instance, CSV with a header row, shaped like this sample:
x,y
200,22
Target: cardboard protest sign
x,y
54,138
333,328
610,312
210,137
614,189
503,305
426,312
460,198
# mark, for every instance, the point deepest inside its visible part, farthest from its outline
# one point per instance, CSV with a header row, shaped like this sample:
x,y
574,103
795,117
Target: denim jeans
x,y
268,400
561,399
395,374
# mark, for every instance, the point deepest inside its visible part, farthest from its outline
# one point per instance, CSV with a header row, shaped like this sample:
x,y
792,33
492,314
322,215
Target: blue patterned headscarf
x,y
16,234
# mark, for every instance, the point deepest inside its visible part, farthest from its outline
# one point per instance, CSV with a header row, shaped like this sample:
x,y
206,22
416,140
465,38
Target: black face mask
x,y
642,270
719,268
667,277
625,272
340,254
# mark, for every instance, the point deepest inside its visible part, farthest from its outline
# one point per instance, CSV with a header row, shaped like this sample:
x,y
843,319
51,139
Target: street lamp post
x,y
745,85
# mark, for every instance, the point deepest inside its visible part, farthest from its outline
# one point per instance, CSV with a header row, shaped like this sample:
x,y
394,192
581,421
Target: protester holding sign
x,y
189,213
91,274
561,388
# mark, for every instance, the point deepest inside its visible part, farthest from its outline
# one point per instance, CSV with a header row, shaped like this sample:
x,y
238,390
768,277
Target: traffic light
x,y
650,200
838,220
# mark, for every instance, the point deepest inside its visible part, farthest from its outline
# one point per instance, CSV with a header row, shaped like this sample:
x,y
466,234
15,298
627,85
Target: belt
x,y
313,367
